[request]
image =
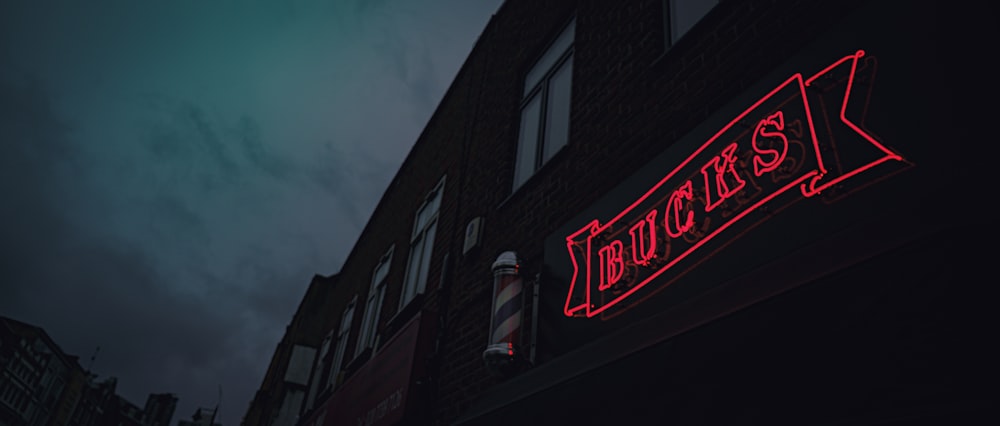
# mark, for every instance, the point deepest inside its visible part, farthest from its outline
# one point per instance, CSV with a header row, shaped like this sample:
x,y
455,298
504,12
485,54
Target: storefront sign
x,y
379,392
804,138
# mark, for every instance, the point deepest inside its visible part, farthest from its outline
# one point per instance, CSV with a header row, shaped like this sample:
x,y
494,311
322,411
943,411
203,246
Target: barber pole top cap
x,y
507,259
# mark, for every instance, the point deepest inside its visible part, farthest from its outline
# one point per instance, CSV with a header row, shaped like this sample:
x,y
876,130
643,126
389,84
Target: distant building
x,y
33,375
202,417
124,413
159,409
41,385
97,400
71,396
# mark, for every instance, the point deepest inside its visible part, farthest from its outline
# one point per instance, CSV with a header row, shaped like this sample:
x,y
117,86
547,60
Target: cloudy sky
x,y
173,173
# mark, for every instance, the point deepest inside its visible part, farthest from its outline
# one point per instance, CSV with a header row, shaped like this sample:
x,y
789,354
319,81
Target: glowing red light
x,y
761,166
786,118
716,172
644,239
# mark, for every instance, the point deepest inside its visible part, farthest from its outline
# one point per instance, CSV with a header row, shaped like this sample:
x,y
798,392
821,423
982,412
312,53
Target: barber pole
x,y
508,305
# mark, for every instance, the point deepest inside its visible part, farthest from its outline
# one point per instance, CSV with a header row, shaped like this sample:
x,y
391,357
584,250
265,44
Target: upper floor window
x,y
680,15
343,333
373,307
421,242
545,106
319,370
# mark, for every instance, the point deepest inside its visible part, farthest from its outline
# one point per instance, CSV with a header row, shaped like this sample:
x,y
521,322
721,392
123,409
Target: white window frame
x,y
679,16
373,306
545,106
343,334
318,369
421,245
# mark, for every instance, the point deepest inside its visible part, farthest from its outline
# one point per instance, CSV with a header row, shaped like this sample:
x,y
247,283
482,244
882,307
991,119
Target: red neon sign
x,y
786,145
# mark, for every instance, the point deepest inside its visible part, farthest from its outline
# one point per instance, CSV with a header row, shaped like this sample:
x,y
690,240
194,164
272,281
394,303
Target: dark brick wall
x,y
632,98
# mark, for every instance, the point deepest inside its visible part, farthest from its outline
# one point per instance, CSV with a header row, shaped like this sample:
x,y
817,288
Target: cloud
x,y
35,154
132,258
174,173
259,154
83,286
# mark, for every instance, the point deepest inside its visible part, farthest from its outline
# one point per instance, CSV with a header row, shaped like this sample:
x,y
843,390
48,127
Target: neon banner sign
x,y
804,137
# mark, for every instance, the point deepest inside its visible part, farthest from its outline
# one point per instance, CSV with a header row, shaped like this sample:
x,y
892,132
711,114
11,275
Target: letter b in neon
x,y
612,264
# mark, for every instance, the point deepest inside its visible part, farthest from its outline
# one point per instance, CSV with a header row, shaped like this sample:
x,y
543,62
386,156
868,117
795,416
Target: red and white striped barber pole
x,y
508,305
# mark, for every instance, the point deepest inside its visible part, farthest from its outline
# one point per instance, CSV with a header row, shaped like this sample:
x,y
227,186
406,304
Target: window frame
x,y
541,91
340,346
669,38
319,370
373,304
419,235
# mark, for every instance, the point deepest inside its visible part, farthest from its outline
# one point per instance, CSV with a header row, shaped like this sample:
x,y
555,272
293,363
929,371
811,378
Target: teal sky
x,y
174,173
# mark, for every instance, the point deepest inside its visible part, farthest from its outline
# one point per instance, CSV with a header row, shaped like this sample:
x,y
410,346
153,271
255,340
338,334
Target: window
x,y
421,242
545,107
680,15
318,370
341,346
373,307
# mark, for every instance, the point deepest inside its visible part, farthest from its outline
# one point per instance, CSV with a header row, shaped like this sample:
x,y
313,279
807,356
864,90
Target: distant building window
x,y
341,346
373,307
545,106
680,15
421,242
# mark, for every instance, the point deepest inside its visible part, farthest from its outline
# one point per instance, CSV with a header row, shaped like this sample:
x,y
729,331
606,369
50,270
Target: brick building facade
x,y
724,212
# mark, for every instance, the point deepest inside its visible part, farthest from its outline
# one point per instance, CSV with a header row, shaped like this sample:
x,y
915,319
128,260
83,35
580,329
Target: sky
x,y
173,173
